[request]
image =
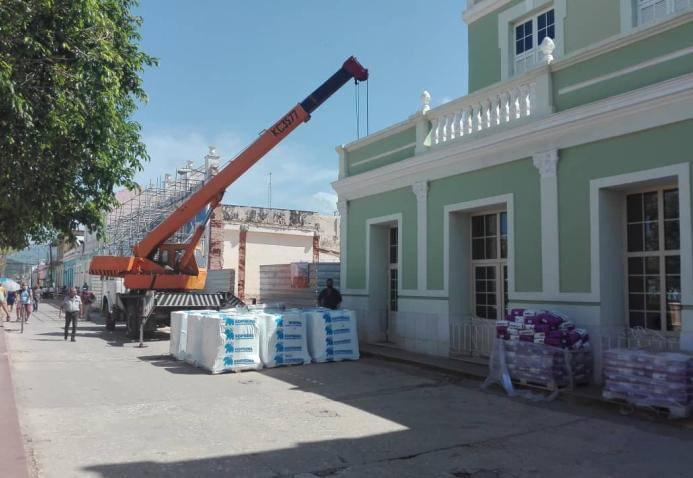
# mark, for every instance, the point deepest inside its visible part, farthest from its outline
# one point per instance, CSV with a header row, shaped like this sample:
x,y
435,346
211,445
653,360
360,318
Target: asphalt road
x,y
101,407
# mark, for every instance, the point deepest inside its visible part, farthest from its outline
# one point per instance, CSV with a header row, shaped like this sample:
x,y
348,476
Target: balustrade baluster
x,y
504,105
524,99
532,98
513,104
487,114
467,120
434,131
495,103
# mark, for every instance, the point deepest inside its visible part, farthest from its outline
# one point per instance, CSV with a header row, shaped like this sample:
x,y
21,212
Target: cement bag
x,y
179,334
332,335
230,343
283,339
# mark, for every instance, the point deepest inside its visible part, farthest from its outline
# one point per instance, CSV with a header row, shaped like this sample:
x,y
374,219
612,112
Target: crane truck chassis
x,y
161,277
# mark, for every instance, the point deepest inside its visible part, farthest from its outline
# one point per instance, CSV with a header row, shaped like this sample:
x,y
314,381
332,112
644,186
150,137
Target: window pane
x,y
673,264
652,265
550,32
652,284
528,28
481,299
491,286
654,320
519,32
636,301
477,249
519,47
504,247
528,43
491,273
635,243
504,223
490,225
480,273
491,245
478,226
653,302
671,204
550,17
491,299
651,208
635,265
393,236
637,319
634,206
541,21
480,286
651,236
673,289
671,235
636,284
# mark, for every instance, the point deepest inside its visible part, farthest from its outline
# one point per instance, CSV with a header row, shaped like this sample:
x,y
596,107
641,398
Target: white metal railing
x,y
640,338
472,337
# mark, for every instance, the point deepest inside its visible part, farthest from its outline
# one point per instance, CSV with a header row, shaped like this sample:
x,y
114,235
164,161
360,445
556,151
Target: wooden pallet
x,y
628,407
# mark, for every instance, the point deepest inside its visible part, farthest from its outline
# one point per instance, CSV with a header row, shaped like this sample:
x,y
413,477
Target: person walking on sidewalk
x,y
3,303
72,306
26,303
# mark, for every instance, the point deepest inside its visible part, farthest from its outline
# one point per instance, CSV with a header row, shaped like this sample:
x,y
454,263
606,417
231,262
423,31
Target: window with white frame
x,y
490,264
653,259
653,10
529,33
393,272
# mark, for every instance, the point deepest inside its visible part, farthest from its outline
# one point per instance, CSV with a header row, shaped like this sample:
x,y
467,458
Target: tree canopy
x,y
70,81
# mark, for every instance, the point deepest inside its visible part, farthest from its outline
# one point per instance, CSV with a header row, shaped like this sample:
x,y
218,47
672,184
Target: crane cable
x,y
357,102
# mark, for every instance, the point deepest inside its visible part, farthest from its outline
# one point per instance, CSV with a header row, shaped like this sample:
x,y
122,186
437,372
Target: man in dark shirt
x,y
329,297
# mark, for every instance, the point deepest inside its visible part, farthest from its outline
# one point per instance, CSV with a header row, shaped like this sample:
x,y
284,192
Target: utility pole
x,y
269,191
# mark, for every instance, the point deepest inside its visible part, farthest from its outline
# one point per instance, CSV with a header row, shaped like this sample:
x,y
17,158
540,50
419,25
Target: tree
x,y
69,85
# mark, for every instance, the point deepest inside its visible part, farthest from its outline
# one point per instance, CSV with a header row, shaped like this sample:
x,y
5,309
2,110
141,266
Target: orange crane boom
x,y
158,265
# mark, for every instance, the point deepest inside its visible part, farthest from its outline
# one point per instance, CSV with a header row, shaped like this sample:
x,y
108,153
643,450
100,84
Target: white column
x,y
546,163
342,161
421,190
342,208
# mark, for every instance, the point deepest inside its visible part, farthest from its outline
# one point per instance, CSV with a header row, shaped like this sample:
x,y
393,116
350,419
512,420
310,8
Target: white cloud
x,y
300,178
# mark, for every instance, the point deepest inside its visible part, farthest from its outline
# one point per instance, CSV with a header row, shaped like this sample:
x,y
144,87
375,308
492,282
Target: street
x,y
101,407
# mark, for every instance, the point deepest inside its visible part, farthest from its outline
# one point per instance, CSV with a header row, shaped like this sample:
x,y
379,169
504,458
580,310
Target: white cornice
x,y
647,107
481,9
619,41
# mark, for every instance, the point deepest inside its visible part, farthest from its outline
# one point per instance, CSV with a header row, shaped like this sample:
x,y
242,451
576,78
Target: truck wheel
x,y
109,318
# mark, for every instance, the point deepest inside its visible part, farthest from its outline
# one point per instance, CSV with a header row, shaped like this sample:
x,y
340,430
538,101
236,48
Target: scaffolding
x,y
130,221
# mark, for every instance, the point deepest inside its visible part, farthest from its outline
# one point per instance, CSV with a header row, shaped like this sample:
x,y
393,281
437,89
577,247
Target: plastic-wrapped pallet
x,y
649,379
332,334
193,342
229,343
283,338
179,334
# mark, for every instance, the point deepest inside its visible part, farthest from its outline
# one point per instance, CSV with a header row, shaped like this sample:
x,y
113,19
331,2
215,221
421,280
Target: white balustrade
x,y
494,107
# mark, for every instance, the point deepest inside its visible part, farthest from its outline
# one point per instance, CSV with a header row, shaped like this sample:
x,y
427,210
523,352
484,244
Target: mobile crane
x,y
162,277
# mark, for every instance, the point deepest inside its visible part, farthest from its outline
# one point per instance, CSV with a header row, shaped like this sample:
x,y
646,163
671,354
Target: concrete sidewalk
x,y
12,457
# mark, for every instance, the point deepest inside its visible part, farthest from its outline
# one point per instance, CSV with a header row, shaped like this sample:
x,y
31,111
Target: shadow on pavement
x,y
115,338
172,365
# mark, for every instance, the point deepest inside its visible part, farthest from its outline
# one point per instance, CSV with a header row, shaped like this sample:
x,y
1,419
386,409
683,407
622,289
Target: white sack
x,y
332,334
179,334
283,338
229,343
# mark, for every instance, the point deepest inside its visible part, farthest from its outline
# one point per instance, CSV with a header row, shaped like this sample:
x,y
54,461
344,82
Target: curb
x,y
13,460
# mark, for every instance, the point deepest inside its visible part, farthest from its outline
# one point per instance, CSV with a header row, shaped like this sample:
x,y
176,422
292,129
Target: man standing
x,y
72,305
329,297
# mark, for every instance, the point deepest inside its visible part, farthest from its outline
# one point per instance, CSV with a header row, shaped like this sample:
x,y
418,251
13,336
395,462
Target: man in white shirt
x,y
72,305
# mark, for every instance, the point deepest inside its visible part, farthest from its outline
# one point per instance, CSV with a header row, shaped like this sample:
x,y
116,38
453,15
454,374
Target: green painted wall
x,y
519,178
360,210
382,146
667,42
590,21
579,165
484,52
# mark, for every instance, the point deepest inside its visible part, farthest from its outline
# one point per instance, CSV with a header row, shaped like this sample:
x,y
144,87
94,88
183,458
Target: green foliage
x,y
69,84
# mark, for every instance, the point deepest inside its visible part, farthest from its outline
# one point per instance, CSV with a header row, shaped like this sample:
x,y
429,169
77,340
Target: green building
x,y
561,181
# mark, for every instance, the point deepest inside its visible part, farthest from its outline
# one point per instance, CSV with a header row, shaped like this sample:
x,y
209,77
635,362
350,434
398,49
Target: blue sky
x,y
230,68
